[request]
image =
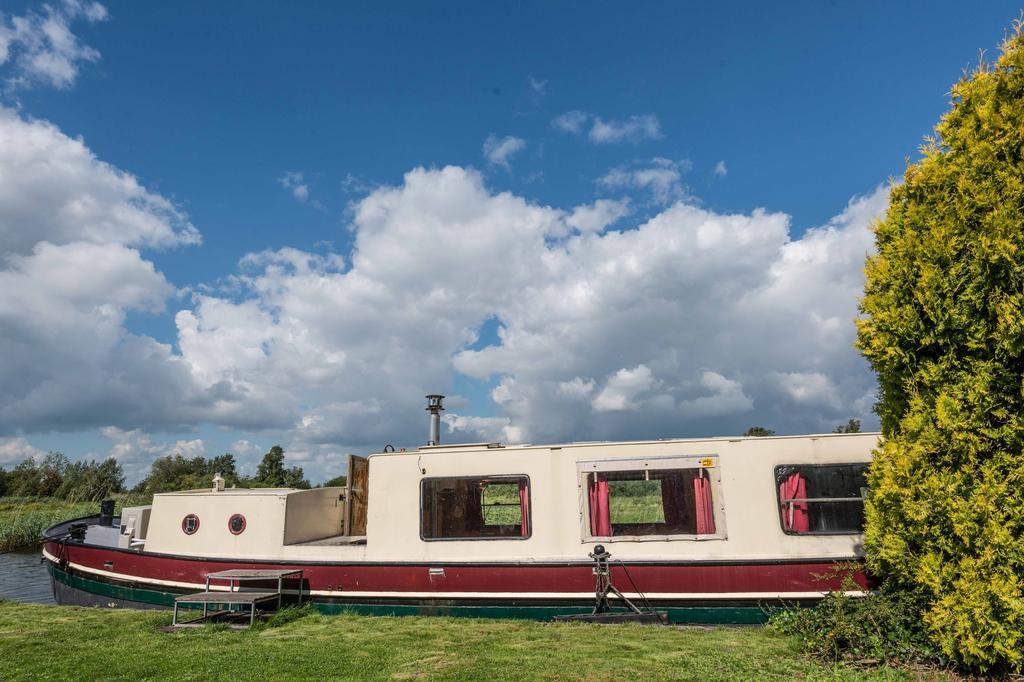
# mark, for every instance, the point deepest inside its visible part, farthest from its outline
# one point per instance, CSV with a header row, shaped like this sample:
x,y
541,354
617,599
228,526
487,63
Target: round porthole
x,y
236,524
190,524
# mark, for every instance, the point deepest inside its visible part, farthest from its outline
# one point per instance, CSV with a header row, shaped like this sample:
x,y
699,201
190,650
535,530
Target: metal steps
x,y
232,596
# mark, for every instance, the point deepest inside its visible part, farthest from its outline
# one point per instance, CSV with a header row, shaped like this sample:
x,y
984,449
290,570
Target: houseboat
x,y
709,530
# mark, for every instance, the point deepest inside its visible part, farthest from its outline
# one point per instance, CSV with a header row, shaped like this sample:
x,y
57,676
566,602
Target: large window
x,y
475,508
826,499
651,498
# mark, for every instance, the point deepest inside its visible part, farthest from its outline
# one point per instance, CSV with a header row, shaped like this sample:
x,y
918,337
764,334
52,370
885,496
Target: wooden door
x,y
356,497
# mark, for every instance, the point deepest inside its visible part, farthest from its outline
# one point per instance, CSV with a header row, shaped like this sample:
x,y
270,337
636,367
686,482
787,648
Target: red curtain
x,y
705,509
794,514
673,500
524,509
600,513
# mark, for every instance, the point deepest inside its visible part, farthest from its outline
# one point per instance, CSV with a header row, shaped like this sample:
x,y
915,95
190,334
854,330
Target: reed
x,y
23,519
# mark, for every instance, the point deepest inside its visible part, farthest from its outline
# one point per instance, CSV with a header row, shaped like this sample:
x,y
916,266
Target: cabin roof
x,y
458,447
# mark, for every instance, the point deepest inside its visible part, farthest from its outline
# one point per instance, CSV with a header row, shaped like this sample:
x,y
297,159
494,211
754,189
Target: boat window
x,y
823,499
475,508
236,524
190,524
650,502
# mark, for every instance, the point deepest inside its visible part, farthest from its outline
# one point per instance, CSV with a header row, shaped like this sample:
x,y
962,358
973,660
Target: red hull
x,y
686,579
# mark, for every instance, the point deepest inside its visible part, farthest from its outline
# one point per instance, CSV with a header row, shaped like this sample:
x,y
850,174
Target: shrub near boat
x,y
708,530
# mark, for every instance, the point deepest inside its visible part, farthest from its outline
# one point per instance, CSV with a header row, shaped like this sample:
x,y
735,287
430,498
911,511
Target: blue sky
x,y
226,111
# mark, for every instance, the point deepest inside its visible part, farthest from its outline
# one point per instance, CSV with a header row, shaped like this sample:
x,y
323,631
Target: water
x,y
24,578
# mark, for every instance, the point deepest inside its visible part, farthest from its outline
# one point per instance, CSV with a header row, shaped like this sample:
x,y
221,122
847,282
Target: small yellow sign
x,y
707,462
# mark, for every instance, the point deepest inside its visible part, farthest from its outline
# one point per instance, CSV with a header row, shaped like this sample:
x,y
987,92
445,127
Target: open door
x,y
357,493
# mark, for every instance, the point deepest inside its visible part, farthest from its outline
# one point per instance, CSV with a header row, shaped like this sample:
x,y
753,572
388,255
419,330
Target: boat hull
x,y
692,592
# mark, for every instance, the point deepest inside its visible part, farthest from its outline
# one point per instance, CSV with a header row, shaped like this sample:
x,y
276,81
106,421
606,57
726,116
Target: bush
x,y
944,331
882,628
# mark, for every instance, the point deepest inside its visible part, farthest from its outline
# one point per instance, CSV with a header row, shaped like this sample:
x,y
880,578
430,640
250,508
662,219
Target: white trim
x,y
477,595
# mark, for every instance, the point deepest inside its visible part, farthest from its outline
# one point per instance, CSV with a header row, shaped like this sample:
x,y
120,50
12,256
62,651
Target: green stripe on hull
x,y
725,615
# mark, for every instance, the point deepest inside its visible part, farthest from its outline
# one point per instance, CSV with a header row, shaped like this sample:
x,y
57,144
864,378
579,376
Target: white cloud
x,y
38,48
623,388
809,388
633,129
598,215
571,121
721,170
17,450
245,449
538,86
70,273
619,324
661,177
727,398
498,150
483,429
52,188
135,450
294,182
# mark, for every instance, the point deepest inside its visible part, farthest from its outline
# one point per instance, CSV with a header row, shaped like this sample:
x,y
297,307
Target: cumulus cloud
x,y
682,325
720,169
54,189
483,429
726,398
598,215
135,450
498,150
39,48
15,450
70,272
662,178
294,182
622,389
633,129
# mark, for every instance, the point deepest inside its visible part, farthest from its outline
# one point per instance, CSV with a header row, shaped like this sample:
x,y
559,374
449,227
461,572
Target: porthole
x,y
236,524
190,524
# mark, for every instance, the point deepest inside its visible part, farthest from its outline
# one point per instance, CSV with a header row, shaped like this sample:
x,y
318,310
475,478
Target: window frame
x,y
656,463
513,477
815,533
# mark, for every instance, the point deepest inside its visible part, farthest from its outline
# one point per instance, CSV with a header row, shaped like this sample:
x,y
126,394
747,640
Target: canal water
x,y
24,578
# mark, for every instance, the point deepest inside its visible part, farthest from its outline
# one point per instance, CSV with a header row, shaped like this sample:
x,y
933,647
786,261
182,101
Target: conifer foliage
x,y
943,327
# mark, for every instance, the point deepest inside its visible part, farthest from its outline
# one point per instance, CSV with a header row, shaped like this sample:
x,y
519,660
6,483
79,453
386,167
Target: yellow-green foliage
x,y
944,330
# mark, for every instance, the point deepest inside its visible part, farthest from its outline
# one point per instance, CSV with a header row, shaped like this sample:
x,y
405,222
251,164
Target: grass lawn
x,y
53,642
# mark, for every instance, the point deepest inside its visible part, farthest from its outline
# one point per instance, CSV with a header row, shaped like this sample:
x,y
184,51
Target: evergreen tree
x,y
943,328
271,472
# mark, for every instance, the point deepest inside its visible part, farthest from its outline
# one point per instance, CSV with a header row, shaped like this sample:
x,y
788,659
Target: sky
x,y
229,226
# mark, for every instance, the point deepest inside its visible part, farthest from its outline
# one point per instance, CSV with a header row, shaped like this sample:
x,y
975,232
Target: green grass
x,y
23,519
68,643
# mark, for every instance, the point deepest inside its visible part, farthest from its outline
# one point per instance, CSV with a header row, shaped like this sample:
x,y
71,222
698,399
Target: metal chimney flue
x,y
435,408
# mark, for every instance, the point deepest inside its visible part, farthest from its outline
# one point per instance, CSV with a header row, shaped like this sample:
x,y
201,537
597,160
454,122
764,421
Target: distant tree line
x,y
90,480
56,476
852,426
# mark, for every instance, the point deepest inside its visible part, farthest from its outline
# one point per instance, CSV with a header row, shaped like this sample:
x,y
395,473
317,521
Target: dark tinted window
x,y
468,508
824,499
